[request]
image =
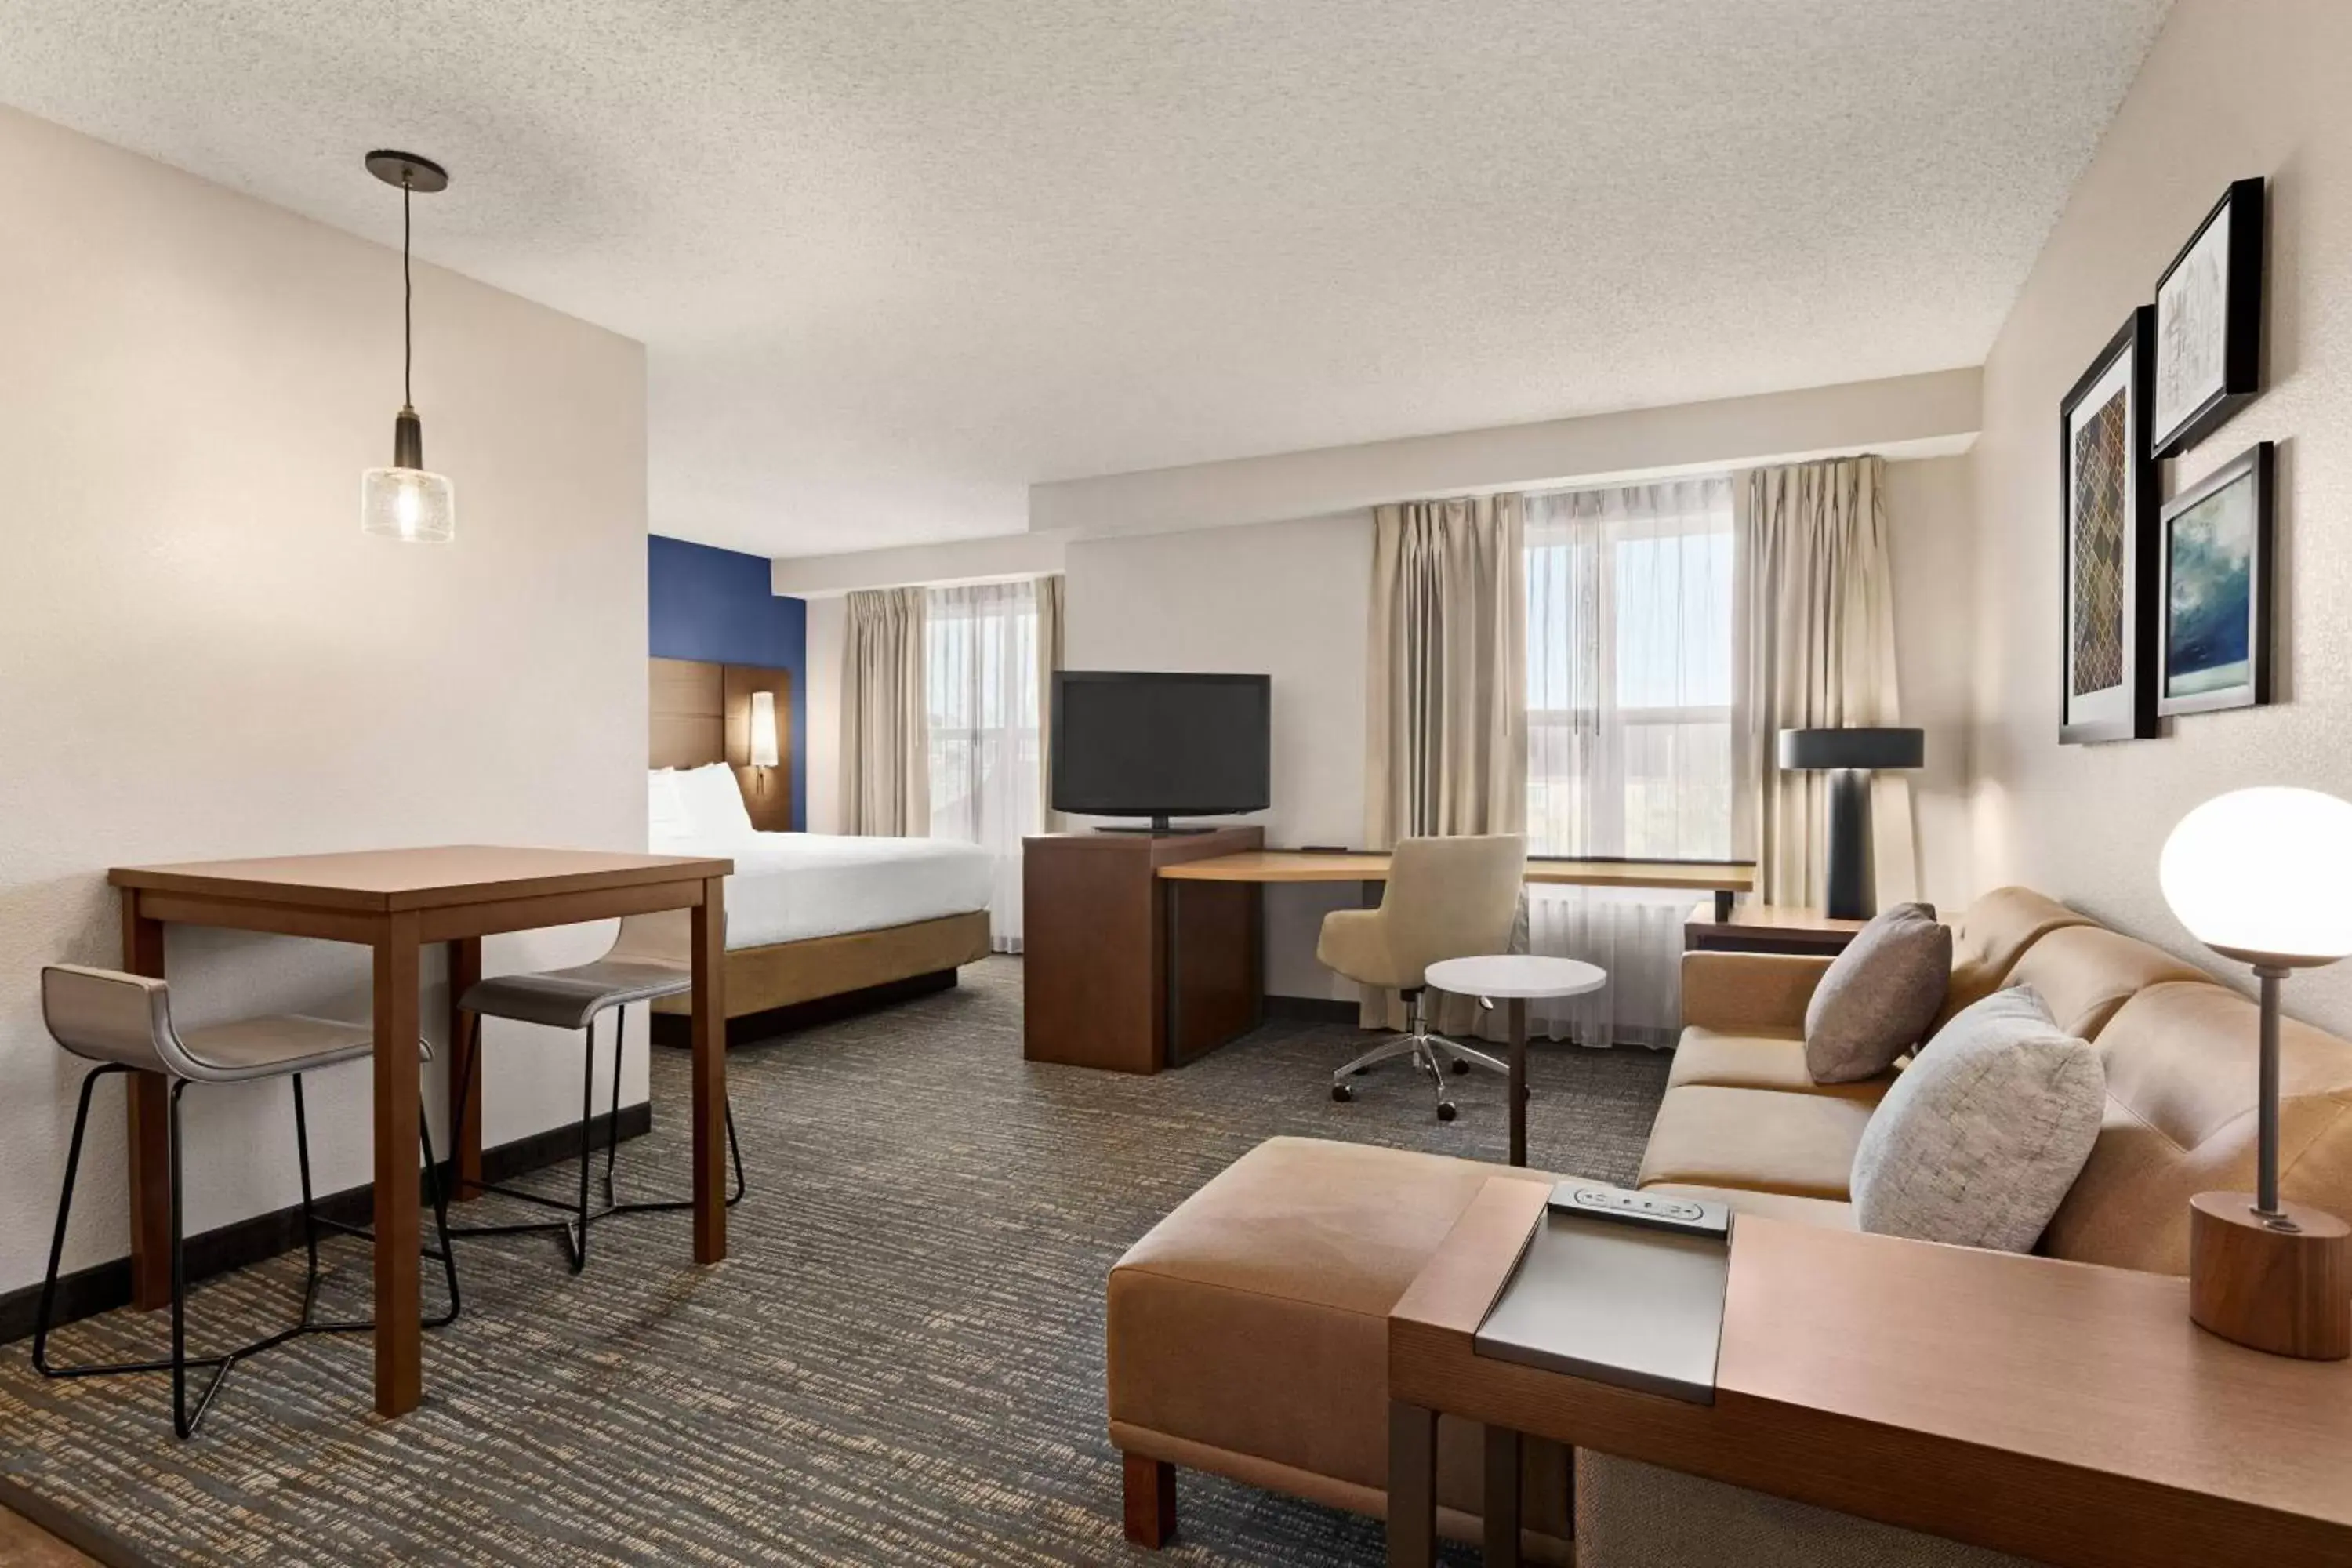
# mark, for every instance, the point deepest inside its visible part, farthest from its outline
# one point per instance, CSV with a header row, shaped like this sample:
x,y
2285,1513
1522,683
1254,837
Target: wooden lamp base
x,y
2285,1288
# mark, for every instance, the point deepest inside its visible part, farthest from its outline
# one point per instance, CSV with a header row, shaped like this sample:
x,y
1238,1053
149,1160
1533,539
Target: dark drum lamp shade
x,y
1850,757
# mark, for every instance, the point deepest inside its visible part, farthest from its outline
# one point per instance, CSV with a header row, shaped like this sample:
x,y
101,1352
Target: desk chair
x,y
124,1023
651,957
1446,898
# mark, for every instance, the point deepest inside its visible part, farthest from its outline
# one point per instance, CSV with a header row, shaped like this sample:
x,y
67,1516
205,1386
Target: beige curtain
x,y
1049,660
885,729
1445,720
1814,645
1446,723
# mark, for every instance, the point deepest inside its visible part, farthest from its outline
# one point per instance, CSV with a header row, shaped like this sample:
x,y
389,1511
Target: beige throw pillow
x,y
1981,1138
1878,996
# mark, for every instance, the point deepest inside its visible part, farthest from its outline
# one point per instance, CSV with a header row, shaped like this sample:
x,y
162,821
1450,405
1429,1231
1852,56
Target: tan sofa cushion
x,y
1760,1058
1756,1138
1741,992
1254,1320
2180,1118
1990,935
2083,973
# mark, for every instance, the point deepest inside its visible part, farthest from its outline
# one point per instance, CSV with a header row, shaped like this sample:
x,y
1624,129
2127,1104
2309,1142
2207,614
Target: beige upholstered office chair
x,y
651,957
124,1023
1446,898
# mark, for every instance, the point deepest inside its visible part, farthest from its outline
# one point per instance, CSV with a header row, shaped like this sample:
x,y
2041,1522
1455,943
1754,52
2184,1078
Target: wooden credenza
x,y
1124,972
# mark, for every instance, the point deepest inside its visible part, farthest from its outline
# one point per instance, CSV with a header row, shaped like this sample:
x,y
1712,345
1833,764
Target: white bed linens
x,y
788,887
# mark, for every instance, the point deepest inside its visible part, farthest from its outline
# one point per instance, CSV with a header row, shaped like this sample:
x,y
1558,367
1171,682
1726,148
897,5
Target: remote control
x,y
1656,1211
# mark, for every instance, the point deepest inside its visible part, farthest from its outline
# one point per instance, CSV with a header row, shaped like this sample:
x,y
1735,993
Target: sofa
x,y
1247,1331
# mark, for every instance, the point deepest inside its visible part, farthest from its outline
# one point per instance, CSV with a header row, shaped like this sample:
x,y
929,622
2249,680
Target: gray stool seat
x,y
568,998
104,1016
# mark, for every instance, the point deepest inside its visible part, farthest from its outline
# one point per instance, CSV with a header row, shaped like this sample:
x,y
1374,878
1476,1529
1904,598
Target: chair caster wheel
x,y
1460,1067
1445,1111
1342,1094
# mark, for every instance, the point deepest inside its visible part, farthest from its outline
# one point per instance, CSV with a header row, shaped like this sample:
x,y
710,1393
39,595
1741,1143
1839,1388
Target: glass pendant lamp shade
x,y
408,504
2265,874
764,729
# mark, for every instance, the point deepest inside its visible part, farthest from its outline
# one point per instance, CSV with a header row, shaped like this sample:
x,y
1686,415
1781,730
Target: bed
x,y
818,925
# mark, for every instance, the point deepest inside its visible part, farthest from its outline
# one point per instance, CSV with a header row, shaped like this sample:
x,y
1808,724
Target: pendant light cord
x,y
407,302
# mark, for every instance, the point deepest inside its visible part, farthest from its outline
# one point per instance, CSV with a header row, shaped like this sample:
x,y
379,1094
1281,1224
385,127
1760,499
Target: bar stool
x,y
124,1023
649,958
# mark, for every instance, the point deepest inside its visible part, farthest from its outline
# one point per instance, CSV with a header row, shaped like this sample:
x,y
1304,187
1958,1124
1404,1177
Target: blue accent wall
x,y
715,605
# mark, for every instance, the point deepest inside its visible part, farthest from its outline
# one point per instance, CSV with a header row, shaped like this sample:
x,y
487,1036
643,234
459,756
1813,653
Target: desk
x,y
395,901
2060,1411
1721,877
1766,928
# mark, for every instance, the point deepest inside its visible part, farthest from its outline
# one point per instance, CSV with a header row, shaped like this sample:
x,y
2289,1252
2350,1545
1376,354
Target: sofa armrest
x,y
1735,992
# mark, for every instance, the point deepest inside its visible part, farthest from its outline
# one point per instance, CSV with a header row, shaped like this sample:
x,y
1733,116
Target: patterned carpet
x,y
901,1362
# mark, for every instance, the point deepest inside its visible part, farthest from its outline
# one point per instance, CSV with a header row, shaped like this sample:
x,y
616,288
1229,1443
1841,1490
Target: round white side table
x,y
1512,978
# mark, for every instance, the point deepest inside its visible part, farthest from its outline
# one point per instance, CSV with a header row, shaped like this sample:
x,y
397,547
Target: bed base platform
x,y
795,984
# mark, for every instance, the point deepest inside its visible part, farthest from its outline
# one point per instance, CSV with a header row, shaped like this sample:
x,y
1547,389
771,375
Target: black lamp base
x,y
1853,892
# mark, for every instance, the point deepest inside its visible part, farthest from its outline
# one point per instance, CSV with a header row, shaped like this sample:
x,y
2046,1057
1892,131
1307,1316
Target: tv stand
x,y
1159,829
1125,970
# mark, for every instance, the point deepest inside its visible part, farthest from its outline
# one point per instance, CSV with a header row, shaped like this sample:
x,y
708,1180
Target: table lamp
x,y
1849,756
2259,876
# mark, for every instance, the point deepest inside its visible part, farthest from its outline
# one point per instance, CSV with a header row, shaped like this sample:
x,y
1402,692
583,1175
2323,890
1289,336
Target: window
x,y
1630,595
981,686
1628,671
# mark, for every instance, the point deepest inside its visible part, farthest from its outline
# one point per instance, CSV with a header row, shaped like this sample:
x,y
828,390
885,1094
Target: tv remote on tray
x,y
1653,1211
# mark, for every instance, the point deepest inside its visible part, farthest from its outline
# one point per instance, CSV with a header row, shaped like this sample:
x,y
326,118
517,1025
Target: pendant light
x,y
406,501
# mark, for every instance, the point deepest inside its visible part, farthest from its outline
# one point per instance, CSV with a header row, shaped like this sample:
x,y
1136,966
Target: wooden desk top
x,y
1372,865
1764,920
2062,1411
384,881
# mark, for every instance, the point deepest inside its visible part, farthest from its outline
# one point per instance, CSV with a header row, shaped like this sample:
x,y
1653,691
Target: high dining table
x,y
395,901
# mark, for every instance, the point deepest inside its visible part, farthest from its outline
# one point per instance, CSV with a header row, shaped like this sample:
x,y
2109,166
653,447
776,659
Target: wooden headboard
x,y
701,714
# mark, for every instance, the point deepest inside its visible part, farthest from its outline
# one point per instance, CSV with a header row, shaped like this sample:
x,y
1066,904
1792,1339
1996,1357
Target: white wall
x,y
1931,523
2230,89
203,657
821,668
1291,600
1907,417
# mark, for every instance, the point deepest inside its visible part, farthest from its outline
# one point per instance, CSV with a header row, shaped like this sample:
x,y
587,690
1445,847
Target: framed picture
x,y
2209,323
2107,500
2216,647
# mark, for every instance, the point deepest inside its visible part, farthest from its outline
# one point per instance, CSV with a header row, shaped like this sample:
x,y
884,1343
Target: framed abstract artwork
x,y
2209,323
2215,648
2107,501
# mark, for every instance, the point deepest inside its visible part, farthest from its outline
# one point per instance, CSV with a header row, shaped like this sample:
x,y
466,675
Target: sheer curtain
x,y
1629,695
981,682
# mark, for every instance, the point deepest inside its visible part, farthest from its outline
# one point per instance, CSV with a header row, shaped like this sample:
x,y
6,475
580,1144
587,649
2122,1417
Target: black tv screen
x,y
1160,746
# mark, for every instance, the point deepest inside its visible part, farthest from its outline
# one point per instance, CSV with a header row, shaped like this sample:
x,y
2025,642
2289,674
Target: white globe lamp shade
x,y
2265,873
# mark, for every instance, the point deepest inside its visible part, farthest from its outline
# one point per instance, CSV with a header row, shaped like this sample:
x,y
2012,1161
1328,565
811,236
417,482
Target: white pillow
x,y
1979,1140
714,801
665,809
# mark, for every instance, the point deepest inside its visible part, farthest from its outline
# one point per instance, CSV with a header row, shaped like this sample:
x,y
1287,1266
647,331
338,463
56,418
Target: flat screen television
x,y
1130,743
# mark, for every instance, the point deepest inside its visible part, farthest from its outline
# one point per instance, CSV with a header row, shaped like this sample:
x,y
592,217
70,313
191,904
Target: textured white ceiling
x,y
894,261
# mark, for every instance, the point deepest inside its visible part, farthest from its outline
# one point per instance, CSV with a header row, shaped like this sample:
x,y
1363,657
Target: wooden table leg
x,y
465,971
709,1072
1413,1485
1502,1504
144,1100
1518,1007
399,1349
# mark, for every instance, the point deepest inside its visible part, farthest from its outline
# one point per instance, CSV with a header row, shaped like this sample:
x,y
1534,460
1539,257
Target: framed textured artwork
x,y
2215,652
2107,500
2209,323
